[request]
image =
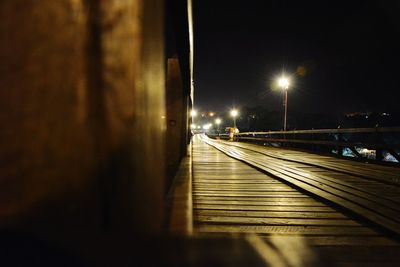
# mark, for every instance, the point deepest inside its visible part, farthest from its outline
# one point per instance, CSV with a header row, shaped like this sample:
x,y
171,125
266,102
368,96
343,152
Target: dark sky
x,y
343,55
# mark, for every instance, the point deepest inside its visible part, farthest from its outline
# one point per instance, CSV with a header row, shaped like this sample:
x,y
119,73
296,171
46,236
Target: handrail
x,y
324,131
328,143
335,138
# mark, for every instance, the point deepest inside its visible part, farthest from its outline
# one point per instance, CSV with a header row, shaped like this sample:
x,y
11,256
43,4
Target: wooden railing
x,y
381,144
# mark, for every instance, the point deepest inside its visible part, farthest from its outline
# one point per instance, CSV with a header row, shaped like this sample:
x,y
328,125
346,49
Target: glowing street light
x,y
234,113
284,83
193,113
207,126
218,122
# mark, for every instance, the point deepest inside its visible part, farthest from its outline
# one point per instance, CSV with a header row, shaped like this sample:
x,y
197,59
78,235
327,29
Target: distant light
x,y
192,126
198,127
211,114
301,71
207,126
193,113
234,112
218,121
365,151
284,83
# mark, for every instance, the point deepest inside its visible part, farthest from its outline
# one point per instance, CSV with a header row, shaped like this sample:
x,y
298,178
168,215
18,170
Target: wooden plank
x,y
293,230
263,188
269,214
258,202
269,191
249,194
267,208
378,214
230,186
236,181
338,240
272,221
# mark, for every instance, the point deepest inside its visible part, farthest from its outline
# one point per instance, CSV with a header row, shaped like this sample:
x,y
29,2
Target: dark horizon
x,y
342,56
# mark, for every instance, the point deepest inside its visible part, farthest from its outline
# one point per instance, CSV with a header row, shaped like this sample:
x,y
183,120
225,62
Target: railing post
x,y
379,154
339,148
378,151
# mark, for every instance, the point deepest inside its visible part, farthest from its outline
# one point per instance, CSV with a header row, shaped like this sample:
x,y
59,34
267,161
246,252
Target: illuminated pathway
x,y
230,196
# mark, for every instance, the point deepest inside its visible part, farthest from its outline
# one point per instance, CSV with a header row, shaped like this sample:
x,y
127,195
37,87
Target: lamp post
x,y
193,113
283,83
218,122
234,113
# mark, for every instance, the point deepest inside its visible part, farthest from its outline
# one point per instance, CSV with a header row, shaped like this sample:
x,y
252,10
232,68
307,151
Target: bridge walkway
x,y
232,197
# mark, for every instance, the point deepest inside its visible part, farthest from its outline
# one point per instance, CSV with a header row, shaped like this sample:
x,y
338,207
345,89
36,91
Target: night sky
x,y
343,56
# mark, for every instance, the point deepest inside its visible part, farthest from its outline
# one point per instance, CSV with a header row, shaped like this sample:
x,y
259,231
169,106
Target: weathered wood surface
x,y
376,200
384,174
231,197
180,200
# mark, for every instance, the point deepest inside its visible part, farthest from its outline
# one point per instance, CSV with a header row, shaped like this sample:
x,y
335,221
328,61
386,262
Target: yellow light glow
x,y
218,121
193,126
211,114
193,113
207,126
301,71
234,112
284,83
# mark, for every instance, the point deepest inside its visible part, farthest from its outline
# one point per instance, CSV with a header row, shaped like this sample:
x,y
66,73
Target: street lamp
x,y
218,122
284,83
207,126
234,113
193,113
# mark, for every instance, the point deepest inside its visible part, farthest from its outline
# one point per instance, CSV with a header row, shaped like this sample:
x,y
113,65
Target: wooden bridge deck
x,y
297,196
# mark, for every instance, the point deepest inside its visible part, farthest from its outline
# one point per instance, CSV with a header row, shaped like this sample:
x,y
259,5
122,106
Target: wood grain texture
x,y
231,197
370,198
